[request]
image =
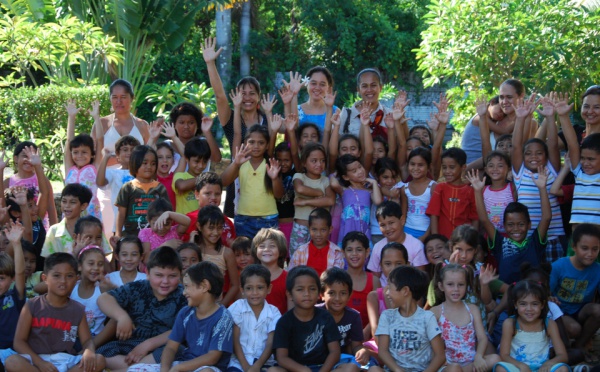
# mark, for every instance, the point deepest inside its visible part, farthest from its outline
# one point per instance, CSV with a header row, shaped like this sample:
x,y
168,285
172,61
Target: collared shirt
x,y
354,127
58,239
335,256
253,332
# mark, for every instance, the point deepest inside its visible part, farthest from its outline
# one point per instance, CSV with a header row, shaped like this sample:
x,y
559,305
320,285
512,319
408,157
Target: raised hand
x,y
388,119
72,108
206,124
398,111
290,122
365,113
14,232
19,195
329,99
523,108
242,154
542,179
286,95
273,168
547,106
487,274
401,100
236,97
33,155
208,50
473,178
561,103
443,105
276,122
433,122
443,115
155,129
268,102
95,111
106,153
481,104
4,213
81,242
168,130
335,119
295,83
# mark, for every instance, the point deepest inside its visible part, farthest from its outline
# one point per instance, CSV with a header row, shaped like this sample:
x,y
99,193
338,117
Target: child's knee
x,y
15,363
592,311
276,369
452,368
347,367
375,369
491,360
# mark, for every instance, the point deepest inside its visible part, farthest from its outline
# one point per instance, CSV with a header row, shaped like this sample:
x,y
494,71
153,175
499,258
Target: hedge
x,y
38,114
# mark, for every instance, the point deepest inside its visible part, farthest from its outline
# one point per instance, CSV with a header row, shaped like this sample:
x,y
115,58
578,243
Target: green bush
x,y
38,114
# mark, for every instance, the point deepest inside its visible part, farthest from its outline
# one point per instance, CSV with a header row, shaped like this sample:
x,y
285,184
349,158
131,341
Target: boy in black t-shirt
x,y
306,337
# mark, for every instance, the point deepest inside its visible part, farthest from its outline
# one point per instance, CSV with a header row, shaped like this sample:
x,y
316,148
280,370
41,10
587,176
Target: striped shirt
x,y
529,195
586,197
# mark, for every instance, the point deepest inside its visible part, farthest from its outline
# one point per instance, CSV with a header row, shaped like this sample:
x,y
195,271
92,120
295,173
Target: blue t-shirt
x,y
150,316
203,335
306,342
574,288
9,316
509,254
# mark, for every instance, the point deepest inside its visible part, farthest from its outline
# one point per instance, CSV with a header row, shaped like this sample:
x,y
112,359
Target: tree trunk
x,y
223,21
245,38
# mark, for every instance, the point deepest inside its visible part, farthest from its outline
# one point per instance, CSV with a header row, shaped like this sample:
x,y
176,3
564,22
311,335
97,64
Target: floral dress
x,y
356,213
87,177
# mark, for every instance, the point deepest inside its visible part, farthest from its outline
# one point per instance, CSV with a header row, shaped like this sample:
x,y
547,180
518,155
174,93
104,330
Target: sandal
x,y
581,368
591,359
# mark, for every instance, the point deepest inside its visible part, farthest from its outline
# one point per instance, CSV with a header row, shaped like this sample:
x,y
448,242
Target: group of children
x,y
355,242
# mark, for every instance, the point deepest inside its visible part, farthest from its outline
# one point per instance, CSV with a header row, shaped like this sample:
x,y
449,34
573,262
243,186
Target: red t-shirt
x,y
317,258
277,297
228,228
454,206
358,300
168,183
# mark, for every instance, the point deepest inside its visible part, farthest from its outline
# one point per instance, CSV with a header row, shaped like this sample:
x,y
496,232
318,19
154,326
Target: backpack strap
x,y
347,122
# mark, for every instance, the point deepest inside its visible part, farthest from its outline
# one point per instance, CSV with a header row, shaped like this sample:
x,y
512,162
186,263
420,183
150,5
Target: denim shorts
x,y
250,225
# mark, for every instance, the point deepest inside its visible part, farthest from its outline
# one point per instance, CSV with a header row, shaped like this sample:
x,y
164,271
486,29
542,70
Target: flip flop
x,y
591,359
581,368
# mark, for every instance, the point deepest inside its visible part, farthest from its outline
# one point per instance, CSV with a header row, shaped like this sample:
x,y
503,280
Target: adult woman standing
x,y
251,114
120,123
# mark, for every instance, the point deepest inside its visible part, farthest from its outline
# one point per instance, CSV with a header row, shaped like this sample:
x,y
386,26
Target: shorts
x,y
349,359
115,348
414,232
555,248
62,361
143,367
512,368
249,225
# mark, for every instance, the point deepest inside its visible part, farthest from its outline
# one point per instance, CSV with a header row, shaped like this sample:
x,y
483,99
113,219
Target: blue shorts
x,y
250,225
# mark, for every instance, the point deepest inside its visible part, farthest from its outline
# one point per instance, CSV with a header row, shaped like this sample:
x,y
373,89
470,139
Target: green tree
x,y
549,45
146,29
69,51
344,35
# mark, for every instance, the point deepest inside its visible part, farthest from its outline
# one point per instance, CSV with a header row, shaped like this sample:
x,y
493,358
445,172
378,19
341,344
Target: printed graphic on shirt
x,y
572,290
313,339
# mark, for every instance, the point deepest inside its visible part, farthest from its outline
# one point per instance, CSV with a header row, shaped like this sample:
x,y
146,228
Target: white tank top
x,y
112,136
416,218
95,317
